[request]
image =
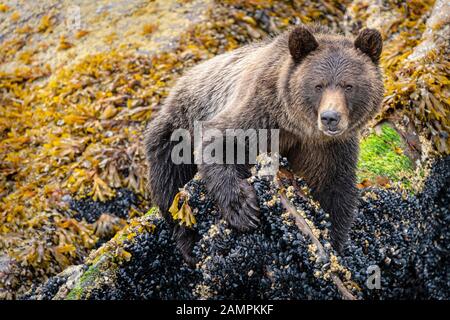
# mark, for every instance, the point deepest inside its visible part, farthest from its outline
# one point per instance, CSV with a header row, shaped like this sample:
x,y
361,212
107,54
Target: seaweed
x,y
71,119
416,63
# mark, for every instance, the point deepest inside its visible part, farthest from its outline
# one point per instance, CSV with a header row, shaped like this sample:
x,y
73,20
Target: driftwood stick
x,y
346,294
304,228
306,231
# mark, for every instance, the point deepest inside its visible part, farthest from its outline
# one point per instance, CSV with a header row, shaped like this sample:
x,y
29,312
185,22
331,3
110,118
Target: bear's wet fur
x,y
317,87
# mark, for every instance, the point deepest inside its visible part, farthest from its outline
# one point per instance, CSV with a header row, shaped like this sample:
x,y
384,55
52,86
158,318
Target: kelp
x,y
415,61
76,135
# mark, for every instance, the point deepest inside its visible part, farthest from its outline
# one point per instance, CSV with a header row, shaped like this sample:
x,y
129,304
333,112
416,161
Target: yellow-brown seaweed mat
x,y
415,61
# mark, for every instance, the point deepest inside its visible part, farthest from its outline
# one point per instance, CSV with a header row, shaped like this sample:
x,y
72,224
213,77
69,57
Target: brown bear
x,y
317,87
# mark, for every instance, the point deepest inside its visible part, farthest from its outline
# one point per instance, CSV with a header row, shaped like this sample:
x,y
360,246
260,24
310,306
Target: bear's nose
x,y
330,119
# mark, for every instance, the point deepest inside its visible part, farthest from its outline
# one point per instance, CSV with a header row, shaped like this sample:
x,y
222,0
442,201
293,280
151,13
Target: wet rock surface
x,y
402,235
91,210
406,237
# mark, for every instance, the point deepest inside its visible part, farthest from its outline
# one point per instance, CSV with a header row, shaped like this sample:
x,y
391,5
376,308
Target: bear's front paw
x,y
242,213
338,240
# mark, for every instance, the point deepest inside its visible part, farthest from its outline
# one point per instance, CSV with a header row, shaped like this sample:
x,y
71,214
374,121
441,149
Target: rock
x,y
401,236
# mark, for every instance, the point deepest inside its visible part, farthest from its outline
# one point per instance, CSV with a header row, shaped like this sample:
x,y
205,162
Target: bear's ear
x,y
301,43
369,41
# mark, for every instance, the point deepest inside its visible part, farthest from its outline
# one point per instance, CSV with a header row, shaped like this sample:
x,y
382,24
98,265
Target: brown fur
x,y
283,83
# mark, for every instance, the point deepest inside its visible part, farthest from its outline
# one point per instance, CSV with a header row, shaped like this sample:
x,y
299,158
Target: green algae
x,y
87,279
382,156
105,261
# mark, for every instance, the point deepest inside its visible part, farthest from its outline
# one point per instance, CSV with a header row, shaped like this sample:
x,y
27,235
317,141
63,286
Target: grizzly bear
x,y
318,88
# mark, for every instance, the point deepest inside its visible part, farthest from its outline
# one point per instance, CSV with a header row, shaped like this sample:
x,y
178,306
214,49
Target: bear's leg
x,y
339,199
330,171
226,182
185,239
165,178
234,196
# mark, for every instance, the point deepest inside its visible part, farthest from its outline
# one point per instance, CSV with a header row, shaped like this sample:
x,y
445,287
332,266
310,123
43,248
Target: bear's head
x,y
334,83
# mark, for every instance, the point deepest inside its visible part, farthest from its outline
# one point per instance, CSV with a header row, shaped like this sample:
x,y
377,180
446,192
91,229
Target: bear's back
x,y
221,83
213,86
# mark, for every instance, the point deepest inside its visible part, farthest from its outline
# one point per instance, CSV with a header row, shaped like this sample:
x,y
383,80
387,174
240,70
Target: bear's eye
x,y
319,88
348,88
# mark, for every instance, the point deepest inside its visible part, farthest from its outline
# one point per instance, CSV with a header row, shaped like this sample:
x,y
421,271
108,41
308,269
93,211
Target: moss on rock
x,y
103,263
382,157
87,279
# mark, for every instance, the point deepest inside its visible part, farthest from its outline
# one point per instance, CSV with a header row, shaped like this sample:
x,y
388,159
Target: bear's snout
x,y
333,113
330,119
